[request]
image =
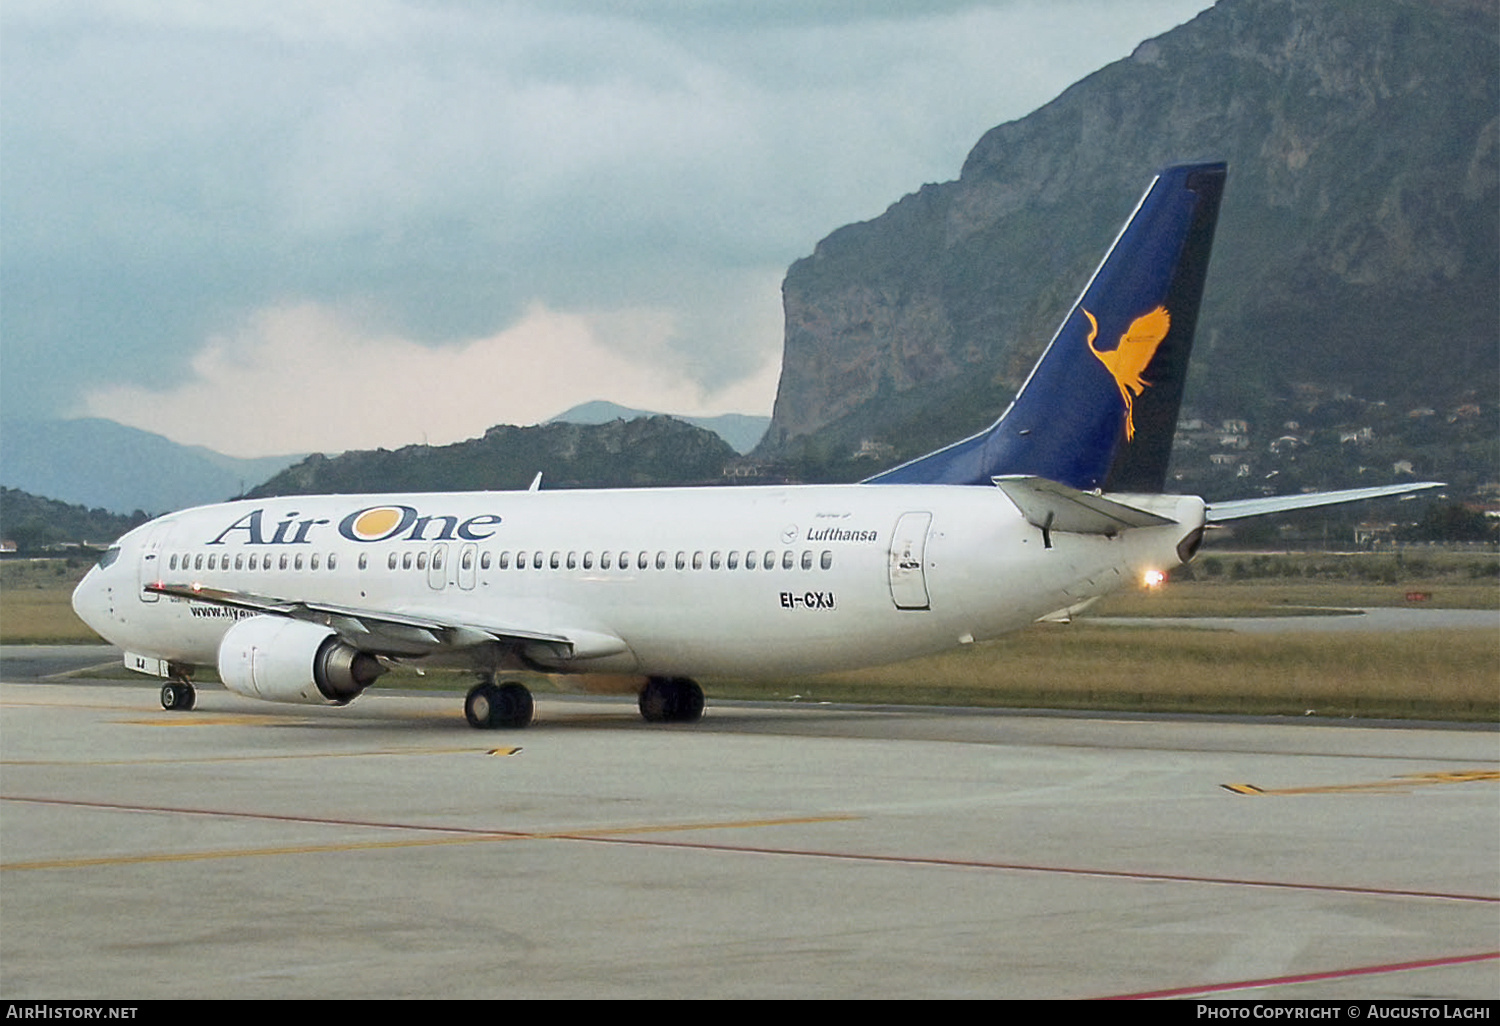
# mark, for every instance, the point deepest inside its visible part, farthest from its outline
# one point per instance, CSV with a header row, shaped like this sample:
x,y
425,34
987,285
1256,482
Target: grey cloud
x,y
434,168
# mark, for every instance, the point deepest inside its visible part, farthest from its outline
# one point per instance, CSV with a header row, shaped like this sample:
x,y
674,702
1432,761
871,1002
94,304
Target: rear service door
x,y
908,561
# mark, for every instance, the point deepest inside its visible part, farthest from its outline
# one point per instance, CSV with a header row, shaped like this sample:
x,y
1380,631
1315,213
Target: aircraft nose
x,y
91,600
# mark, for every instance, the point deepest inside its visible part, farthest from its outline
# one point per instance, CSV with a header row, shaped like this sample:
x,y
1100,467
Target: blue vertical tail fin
x,y
1100,407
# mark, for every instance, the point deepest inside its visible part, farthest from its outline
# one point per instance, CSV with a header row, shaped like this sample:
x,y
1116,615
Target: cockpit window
x,y
110,555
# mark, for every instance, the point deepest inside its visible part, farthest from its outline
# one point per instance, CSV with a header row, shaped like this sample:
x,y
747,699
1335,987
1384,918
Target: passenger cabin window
x,y
827,561
390,561
769,562
314,561
604,562
750,561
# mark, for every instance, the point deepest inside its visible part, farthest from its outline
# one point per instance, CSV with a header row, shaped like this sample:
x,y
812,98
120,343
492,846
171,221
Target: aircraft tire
x,y
516,706
655,701
506,706
176,695
689,701
478,703
671,700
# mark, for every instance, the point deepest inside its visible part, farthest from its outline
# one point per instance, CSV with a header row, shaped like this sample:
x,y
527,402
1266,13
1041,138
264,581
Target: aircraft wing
x,y
408,631
1218,512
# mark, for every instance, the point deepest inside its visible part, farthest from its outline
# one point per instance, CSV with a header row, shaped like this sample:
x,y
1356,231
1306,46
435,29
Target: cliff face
x,y
1357,243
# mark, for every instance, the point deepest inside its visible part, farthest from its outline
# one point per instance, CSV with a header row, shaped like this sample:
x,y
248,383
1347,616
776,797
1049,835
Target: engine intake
x,y
283,660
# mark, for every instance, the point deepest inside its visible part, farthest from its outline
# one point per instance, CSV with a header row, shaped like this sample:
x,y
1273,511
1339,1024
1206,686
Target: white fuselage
x,y
753,581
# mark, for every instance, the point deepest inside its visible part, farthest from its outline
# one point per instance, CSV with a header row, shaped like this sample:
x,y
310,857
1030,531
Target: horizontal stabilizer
x,y
1056,507
1218,512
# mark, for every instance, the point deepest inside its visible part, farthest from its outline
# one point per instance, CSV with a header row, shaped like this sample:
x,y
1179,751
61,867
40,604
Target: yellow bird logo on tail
x,y
1129,360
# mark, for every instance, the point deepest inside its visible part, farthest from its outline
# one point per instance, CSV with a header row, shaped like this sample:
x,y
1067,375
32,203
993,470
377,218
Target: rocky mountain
x,y
1356,252
741,430
99,463
641,452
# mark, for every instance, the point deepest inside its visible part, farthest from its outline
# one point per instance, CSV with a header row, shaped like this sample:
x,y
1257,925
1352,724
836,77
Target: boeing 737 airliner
x,y
310,598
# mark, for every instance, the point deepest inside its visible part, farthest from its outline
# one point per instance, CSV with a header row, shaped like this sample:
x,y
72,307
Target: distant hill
x,y
99,463
1356,253
35,523
644,452
742,431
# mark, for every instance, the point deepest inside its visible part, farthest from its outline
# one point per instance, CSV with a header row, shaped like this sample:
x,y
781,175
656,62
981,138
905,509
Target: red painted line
x,y
1278,981
273,817
1021,867
602,837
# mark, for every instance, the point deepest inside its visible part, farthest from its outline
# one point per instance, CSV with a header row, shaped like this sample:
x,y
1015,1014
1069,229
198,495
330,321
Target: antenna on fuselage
x,y
536,483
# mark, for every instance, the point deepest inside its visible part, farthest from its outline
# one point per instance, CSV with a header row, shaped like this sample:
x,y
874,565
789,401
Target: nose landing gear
x,y
178,692
178,695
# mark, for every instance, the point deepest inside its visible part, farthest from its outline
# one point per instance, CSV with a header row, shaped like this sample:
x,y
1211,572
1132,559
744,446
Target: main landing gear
x,y
491,706
671,700
509,706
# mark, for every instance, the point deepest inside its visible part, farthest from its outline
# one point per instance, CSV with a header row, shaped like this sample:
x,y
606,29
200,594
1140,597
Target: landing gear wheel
x,y
178,695
689,701
506,706
671,700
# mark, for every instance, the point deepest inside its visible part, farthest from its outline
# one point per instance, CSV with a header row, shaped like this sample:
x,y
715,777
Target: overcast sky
x,y
282,226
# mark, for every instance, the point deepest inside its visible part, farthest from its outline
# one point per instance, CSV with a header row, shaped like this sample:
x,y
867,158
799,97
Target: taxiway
x,y
387,850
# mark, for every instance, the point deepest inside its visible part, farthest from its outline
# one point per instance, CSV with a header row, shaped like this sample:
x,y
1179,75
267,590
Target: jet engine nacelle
x,y
283,660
